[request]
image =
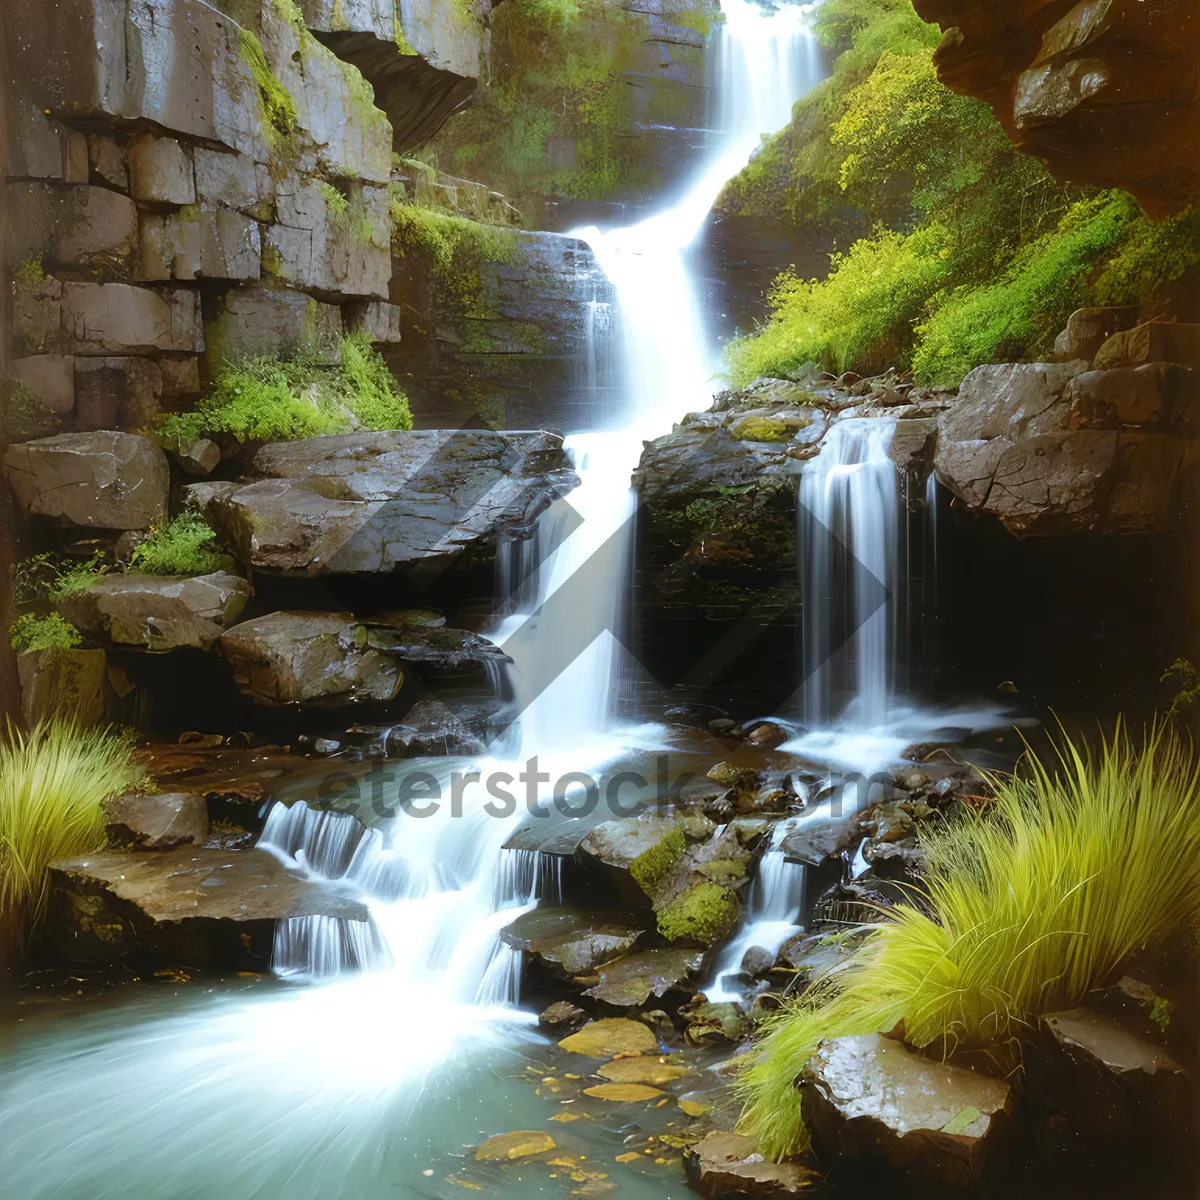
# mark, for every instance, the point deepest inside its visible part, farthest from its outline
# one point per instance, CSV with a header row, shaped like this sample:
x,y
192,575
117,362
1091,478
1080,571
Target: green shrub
x,y
47,632
861,316
1082,863
267,399
183,547
53,783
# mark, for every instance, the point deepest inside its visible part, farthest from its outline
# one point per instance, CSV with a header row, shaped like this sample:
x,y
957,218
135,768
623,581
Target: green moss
x,y
652,866
185,546
763,429
402,43
275,102
704,913
265,399
28,272
49,632
337,204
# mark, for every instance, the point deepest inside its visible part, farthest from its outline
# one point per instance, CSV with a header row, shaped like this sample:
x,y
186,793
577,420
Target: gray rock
x,y
873,1097
912,446
197,456
42,148
206,906
109,159
432,650
180,376
1154,395
161,821
814,841
37,317
258,320
308,658
62,683
629,981
230,244
160,171
116,393
159,612
562,1015
77,227
722,1164
1007,448
573,941
373,501
637,852
430,727
52,376
101,480
1089,328
380,320
117,318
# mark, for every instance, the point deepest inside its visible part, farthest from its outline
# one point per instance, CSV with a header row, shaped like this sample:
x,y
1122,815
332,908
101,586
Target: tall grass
x,y
1080,864
53,782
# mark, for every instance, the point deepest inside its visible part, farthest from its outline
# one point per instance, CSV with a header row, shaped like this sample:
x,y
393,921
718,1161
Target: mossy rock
x,y
760,429
703,913
643,849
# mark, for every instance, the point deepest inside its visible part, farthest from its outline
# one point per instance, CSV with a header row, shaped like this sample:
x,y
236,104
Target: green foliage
x,y
266,399
51,577
977,255
1183,676
48,632
71,578
335,202
185,546
1082,863
53,783
861,316
275,101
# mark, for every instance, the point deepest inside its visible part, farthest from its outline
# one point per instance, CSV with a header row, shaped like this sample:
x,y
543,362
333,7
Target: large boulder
x,y
1104,93
1030,444
309,658
159,612
101,480
373,502
873,1097
212,907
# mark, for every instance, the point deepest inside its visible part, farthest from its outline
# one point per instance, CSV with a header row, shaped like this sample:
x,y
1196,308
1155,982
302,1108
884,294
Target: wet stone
x,y
630,981
727,1164
570,940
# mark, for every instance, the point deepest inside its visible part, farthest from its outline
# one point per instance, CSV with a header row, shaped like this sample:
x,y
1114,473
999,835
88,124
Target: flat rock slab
x,y
611,1036
630,981
219,885
159,612
574,941
101,480
728,1164
873,1097
377,501
161,821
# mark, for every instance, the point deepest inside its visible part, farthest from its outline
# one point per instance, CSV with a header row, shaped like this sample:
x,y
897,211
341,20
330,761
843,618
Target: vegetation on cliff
x,y
560,115
956,248
1081,863
272,400
53,783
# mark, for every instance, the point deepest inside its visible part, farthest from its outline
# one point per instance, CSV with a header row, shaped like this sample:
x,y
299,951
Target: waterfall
x,y
439,890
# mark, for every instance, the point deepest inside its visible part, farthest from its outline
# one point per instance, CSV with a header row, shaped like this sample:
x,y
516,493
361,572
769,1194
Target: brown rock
x,y
571,940
1156,342
1089,328
727,1164
1154,395
160,171
873,1097
161,821
116,393
62,683
630,981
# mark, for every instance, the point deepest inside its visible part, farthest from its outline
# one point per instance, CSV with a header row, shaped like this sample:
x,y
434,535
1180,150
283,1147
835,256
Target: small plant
x,y
184,547
75,577
265,399
1079,865
53,783
49,632
1182,675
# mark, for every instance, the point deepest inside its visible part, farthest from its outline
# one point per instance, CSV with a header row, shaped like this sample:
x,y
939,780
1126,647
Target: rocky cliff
x,y
1105,92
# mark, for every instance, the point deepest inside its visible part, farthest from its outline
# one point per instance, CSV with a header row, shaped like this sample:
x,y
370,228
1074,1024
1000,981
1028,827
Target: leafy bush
x,y
861,316
49,632
183,547
266,399
1082,863
53,782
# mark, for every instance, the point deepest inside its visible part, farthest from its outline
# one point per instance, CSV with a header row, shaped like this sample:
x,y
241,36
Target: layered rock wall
x,y
1105,92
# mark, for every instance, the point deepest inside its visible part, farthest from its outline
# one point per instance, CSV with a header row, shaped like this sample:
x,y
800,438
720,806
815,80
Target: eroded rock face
x,y
377,501
159,612
1105,92
67,683
1051,448
873,1097
309,658
212,907
101,480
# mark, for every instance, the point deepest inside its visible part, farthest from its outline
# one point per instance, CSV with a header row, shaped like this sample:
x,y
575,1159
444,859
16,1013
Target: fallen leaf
x,y
622,1092
611,1037
693,1108
632,1156
521,1143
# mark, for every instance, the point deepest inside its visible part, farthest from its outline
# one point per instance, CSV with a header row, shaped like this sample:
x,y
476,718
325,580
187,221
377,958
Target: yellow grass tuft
x,y
1079,865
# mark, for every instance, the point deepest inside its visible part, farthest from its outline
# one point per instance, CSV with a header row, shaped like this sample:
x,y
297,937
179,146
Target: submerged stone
x,y
728,1164
642,1069
508,1147
611,1036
